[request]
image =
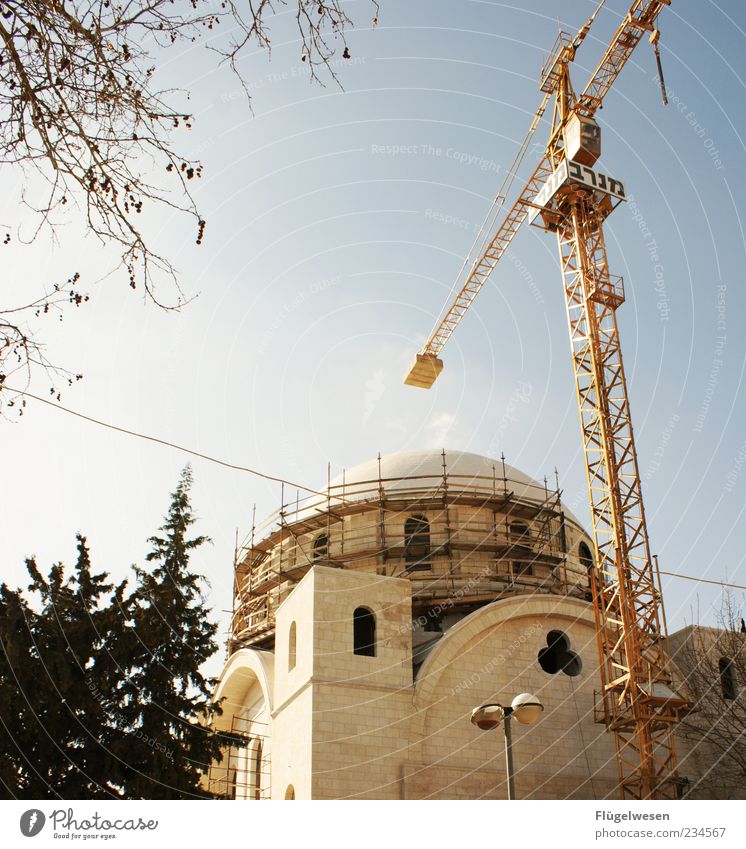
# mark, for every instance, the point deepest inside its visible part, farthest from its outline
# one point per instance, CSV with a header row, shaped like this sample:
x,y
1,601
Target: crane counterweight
x,y
423,371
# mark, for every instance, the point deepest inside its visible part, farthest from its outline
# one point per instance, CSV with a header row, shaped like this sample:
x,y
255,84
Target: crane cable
x,y
488,225
655,37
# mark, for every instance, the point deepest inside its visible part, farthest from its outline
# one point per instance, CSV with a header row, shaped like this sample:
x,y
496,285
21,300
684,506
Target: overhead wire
x,y
704,580
167,443
210,459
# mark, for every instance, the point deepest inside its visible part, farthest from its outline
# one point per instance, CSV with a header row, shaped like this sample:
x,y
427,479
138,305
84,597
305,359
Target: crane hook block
x,y
423,371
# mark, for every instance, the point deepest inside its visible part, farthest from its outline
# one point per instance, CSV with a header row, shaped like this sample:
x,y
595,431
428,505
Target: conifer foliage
x,y
56,737
101,693
170,636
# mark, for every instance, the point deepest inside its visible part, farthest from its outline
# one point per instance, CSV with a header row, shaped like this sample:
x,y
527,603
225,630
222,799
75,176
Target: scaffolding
x,y
488,536
244,770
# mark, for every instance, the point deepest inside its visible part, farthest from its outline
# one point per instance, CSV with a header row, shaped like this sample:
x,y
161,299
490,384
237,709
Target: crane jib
x,y
570,172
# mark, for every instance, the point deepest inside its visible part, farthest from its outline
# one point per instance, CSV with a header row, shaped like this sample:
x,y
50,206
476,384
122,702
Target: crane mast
x,y
569,196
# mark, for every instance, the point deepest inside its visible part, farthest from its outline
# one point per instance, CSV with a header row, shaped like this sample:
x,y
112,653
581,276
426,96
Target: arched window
x,y
254,769
292,641
320,548
728,680
258,771
290,792
585,557
417,543
520,537
364,632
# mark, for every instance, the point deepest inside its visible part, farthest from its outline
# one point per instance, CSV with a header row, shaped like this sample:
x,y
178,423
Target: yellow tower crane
x,y
569,196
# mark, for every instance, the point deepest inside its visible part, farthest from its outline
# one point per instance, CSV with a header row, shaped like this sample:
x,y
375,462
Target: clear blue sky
x,y
329,253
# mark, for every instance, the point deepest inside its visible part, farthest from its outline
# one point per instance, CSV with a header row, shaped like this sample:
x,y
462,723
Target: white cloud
x,y
374,389
439,429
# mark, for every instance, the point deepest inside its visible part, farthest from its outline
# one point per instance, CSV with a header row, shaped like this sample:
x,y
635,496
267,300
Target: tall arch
x,y
245,692
254,769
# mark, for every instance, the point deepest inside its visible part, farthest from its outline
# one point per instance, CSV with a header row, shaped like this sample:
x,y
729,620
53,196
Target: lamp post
x,y
526,709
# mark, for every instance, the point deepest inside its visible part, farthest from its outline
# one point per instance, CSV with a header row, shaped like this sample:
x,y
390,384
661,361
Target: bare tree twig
x,y
82,118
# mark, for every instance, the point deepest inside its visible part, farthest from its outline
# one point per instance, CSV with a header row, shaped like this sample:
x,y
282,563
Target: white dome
x,y
425,468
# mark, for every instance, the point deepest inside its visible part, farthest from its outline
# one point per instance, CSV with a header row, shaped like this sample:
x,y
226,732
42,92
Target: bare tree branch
x,y
82,119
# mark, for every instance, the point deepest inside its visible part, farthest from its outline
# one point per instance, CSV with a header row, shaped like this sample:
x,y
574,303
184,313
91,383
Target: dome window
x,y
585,557
364,632
320,548
417,543
728,680
557,657
520,537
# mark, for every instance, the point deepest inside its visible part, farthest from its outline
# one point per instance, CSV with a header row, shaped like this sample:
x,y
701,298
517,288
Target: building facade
x,y
370,619
712,738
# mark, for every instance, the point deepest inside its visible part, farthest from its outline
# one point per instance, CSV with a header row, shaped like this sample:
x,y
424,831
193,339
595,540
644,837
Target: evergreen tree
x,y
101,694
168,639
57,685
17,723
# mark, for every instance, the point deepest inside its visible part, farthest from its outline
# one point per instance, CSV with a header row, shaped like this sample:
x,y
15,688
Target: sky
x,y
337,220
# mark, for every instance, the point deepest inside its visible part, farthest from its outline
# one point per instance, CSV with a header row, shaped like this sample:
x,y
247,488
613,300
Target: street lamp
x,y
526,709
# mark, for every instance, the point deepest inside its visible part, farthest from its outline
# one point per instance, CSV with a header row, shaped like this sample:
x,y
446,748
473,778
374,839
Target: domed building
x,y
462,528
371,618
